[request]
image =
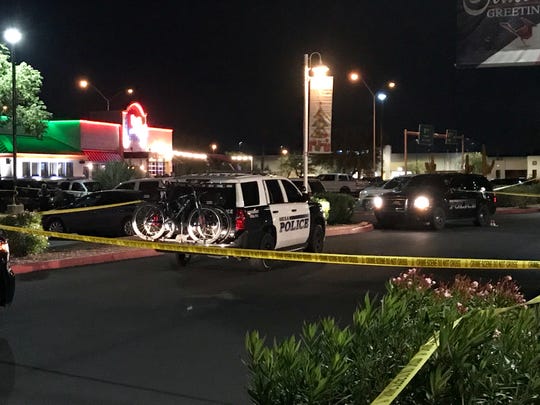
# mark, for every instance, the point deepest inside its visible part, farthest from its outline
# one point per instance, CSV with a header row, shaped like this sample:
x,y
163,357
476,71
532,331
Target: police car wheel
x,y
438,218
482,216
56,225
316,240
268,242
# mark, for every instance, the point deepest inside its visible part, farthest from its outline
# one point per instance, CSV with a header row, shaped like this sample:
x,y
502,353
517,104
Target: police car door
x,y
290,219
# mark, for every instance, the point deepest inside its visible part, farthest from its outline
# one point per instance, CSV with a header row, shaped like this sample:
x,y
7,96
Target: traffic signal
x,y
425,134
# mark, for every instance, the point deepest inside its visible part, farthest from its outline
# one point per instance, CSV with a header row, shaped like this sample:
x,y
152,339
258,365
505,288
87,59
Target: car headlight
x,y
421,202
377,202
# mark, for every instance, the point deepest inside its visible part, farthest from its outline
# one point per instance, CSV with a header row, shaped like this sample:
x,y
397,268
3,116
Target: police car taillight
x,y
240,220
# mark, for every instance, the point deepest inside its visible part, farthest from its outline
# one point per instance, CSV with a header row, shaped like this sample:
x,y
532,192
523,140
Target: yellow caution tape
x,y
97,207
402,379
329,258
518,194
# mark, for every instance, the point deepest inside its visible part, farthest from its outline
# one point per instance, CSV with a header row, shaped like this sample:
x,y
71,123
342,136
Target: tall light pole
x,y
354,77
13,36
319,70
84,84
381,96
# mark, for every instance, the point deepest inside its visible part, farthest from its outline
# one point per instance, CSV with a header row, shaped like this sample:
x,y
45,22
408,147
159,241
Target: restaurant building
x,y
72,148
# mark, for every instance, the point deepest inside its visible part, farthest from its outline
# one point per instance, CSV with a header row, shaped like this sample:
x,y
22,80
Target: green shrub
x,y
114,173
488,358
531,195
22,244
341,207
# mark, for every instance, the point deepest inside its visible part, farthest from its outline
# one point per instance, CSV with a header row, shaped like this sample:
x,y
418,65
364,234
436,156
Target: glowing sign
x,y
134,129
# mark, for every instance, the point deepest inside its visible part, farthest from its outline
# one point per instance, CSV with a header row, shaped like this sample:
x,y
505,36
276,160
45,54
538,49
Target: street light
x,y
354,77
13,36
318,71
381,96
84,84
213,147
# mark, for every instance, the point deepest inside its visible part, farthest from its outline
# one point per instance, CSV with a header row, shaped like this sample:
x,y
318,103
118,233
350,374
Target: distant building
x,y
70,148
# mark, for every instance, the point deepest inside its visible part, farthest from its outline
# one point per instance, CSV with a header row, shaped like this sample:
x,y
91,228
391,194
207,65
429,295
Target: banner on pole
x,y
320,114
494,33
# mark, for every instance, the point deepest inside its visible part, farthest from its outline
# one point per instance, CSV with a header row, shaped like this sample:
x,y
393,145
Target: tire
x,y
345,190
316,240
182,259
268,242
483,217
438,218
204,225
382,223
149,222
56,225
127,228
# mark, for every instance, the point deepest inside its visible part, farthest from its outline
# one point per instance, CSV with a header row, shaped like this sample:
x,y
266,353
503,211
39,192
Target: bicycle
x,y
182,218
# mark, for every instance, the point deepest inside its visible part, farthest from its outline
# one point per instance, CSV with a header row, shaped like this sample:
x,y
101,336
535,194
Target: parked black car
x,y
104,221
437,198
7,278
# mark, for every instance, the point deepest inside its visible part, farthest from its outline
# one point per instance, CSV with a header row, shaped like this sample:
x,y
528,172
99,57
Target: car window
x,y
316,187
325,177
293,194
250,192
77,187
64,185
148,185
274,192
126,186
93,186
342,177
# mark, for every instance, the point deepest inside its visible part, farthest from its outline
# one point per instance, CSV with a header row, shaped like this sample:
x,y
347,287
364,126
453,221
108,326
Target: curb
x,y
84,260
335,230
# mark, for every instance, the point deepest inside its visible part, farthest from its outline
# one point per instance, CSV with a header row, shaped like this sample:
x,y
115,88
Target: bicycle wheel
x,y
204,225
149,222
226,223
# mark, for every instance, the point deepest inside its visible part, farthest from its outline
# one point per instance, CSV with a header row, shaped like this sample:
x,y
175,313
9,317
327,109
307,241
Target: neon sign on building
x,y
134,129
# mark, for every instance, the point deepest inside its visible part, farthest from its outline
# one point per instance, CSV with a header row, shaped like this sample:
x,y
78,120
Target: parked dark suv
x,y
437,198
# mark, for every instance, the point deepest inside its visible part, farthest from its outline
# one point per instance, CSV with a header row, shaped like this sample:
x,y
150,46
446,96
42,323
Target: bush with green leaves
x,y
341,207
113,173
530,194
22,244
490,357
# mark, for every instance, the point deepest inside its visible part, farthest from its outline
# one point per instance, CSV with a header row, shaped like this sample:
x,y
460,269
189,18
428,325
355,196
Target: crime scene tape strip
x,y
97,207
518,194
329,258
404,377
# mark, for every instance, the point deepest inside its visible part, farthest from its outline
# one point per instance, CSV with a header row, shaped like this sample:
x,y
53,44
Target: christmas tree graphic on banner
x,y
319,140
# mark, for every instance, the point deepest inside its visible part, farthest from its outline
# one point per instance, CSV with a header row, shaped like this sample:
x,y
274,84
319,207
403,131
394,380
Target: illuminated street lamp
x,y
84,84
13,36
213,147
319,70
354,77
381,96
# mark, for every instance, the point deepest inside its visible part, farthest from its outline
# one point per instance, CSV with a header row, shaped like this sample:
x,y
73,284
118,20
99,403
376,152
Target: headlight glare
x,y
421,202
377,202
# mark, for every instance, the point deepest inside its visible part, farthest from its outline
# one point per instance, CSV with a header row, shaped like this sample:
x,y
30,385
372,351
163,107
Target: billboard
x,y
493,33
320,114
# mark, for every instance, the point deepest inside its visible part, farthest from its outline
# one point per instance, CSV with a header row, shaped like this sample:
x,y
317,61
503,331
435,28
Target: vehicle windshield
x,y
422,181
396,182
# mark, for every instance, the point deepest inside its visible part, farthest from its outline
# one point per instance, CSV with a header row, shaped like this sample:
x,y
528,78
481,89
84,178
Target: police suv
x,y
437,198
265,212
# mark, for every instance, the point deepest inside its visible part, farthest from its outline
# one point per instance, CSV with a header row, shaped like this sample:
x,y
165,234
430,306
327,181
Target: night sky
x,y
232,71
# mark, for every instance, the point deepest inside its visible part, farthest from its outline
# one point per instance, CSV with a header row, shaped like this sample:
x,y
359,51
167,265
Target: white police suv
x,y
264,212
